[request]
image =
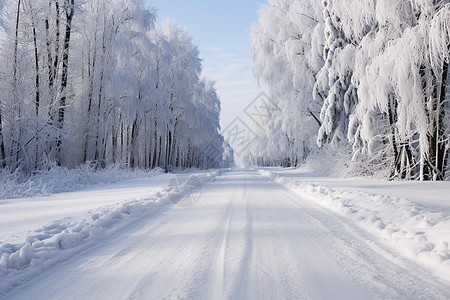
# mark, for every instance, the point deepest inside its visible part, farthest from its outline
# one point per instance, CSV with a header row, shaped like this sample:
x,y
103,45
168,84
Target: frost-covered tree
x,y
383,87
96,81
287,54
334,86
31,131
402,73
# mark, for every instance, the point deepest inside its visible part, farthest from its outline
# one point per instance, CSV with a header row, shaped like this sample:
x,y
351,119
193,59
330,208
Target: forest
x,y
361,85
98,82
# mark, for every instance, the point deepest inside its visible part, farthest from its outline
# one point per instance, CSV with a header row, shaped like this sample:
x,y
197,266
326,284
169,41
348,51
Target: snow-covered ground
x,y
248,237
413,217
61,179
38,232
18,216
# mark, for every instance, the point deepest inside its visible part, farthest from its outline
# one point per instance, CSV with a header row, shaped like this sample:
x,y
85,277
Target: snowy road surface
x,y
247,238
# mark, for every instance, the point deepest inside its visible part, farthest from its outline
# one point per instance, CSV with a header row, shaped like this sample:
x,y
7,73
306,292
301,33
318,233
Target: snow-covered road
x,y
247,238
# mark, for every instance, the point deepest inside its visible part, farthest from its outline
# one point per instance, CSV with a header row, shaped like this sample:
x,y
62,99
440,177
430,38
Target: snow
x,y
36,233
62,179
247,237
413,217
20,215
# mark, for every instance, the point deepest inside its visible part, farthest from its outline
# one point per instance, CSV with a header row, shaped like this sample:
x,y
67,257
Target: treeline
x,y
96,81
365,80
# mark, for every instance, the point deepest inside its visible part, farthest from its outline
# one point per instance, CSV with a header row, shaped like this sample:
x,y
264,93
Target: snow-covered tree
x,y
403,70
287,54
346,22
383,87
96,81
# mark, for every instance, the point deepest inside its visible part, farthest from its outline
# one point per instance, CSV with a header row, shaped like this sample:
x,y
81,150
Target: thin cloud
x,y
231,68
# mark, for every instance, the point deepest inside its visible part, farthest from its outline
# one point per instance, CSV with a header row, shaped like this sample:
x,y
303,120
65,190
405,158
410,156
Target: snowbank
x,y
414,230
61,179
60,240
57,241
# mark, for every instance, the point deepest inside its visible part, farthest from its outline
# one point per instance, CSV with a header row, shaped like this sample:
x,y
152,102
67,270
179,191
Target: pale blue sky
x,y
221,30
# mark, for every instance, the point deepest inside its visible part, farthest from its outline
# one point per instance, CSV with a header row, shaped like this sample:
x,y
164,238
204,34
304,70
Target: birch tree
x,y
97,82
287,53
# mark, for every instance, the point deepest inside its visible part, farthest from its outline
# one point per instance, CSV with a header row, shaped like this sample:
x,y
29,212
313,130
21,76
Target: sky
x,y
221,30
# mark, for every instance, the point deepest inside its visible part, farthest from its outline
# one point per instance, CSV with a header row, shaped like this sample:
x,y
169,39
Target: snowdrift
x,y
415,231
60,240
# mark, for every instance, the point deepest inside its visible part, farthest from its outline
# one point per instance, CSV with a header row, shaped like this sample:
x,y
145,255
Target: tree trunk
x,y
428,159
392,120
16,45
155,145
52,62
36,66
69,7
2,145
440,129
98,141
37,92
133,136
91,74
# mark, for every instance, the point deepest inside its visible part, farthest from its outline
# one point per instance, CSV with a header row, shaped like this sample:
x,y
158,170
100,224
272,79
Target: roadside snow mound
x,y
61,179
415,231
62,239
